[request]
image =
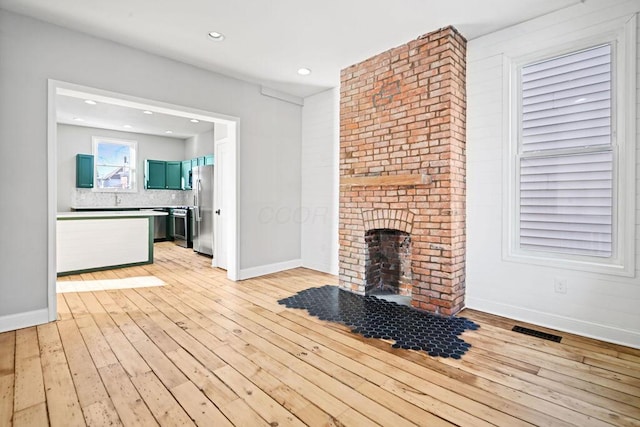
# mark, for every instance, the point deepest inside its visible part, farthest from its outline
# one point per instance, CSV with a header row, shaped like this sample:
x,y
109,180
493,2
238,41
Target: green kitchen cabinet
x,y
155,175
173,175
202,160
163,175
186,175
84,171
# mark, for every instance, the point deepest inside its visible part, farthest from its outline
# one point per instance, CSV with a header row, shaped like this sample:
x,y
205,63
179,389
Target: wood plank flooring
x,y
206,351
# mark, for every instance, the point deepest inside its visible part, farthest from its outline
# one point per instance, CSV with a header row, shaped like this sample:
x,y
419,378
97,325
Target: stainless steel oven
x,y
182,227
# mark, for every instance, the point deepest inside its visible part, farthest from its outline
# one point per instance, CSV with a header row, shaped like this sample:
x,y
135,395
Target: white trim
x,y
262,270
509,160
52,201
108,97
233,221
59,87
233,262
628,151
11,322
623,262
561,323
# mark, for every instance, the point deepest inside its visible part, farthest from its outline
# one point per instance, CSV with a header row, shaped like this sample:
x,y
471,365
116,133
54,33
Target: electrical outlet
x,y
560,285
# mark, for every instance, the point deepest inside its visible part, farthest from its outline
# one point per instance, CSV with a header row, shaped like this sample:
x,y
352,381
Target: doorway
x,y
228,240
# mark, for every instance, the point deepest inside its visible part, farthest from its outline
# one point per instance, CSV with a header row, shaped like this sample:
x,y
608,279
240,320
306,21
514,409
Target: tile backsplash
x,y
152,198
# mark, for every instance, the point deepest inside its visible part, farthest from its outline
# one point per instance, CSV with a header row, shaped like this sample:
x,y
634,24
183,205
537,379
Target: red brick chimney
x,y
402,171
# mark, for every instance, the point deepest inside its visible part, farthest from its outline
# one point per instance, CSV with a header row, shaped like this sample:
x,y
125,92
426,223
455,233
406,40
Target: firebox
x,y
388,262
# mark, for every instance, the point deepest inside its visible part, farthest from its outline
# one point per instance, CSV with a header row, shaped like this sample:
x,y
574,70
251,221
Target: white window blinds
x,y
566,158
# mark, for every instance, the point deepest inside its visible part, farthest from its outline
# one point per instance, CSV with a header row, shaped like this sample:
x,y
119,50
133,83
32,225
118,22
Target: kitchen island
x,y
100,240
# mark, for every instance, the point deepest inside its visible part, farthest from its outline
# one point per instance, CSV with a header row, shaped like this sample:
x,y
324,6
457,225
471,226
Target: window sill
x,y
548,260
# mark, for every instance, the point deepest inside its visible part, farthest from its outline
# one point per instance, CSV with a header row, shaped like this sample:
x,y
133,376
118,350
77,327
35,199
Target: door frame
x,y
55,87
217,201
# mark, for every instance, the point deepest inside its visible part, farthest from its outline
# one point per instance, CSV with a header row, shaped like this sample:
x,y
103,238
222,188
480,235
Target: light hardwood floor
x,y
203,350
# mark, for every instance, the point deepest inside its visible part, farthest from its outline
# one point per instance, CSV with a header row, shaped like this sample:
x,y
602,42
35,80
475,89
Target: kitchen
x,y
117,163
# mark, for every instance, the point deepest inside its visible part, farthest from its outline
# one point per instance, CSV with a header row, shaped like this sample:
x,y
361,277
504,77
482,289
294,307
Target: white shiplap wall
x,y
599,305
85,244
319,209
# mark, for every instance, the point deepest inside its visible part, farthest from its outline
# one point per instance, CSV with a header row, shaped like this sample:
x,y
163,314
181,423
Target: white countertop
x,y
120,207
109,214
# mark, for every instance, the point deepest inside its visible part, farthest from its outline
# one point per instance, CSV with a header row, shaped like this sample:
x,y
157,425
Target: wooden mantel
x,y
380,180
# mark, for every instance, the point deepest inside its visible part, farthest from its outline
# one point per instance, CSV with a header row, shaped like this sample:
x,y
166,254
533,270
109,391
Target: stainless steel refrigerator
x,y
202,185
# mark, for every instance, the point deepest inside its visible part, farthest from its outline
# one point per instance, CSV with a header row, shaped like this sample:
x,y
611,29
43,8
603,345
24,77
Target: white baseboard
x,y
248,273
12,322
553,321
322,267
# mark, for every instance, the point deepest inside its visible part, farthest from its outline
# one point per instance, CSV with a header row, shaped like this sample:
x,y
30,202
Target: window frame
x,y
623,145
133,168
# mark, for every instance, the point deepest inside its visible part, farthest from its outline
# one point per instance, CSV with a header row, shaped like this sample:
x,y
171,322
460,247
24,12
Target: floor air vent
x,y
537,334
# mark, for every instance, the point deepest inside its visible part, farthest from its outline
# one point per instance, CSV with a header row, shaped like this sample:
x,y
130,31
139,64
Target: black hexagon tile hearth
x,y
373,317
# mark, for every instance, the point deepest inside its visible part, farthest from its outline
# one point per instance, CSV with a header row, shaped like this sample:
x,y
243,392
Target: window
x,y
571,170
566,154
115,164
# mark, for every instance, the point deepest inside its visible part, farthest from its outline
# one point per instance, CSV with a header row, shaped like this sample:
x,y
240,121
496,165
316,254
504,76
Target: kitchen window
x,y
572,169
115,164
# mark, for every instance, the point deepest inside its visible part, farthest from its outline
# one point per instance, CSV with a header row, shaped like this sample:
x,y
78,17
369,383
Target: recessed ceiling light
x,y
90,102
168,131
214,35
147,112
78,119
127,126
304,71
194,121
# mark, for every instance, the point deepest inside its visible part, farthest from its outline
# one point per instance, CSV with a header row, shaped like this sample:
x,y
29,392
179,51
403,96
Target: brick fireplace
x,y
402,172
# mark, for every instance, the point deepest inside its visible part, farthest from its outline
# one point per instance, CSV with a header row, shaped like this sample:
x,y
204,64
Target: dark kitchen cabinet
x,y
84,171
173,175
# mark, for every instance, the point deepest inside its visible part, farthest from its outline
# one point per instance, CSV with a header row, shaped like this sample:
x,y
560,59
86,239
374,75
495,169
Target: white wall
x,y
598,305
199,145
320,160
74,140
31,52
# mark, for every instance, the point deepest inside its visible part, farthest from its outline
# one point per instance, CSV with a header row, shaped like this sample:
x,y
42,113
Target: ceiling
x,y
266,41
110,113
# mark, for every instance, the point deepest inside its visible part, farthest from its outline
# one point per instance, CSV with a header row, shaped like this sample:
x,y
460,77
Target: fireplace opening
x,y
388,262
